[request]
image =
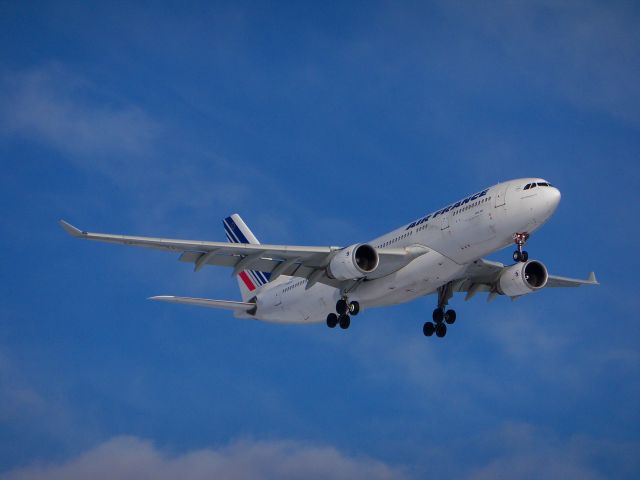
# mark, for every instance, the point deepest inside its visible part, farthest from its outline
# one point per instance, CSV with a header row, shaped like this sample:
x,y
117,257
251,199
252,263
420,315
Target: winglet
x,y
592,279
71,230
162,298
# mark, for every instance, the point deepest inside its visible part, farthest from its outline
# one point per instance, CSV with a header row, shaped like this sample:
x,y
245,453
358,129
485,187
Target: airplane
x,y
440,253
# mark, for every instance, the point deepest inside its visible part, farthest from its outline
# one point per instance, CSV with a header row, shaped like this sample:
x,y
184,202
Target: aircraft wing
x,y
300,261
482,276
555,281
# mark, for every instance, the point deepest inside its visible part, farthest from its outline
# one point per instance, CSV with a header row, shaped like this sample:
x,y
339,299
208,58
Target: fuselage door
x,y
277,299
445,221
501,195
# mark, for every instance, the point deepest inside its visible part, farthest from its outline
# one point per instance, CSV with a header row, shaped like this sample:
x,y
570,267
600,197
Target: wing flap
x,y
228,260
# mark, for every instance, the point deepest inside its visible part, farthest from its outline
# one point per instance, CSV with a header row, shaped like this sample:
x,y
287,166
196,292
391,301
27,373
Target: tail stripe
x,y
235,235
238,234
241,238
247,281
233,238
250,280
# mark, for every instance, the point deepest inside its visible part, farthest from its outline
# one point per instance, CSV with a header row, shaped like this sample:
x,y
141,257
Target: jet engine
x,y
353,262
523,278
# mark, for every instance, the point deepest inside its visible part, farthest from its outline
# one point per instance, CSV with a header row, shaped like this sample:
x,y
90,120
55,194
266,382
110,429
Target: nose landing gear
x,y
520,239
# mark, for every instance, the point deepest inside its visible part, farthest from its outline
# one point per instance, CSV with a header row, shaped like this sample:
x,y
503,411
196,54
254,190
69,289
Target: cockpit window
x,y
533,185
543,184
527,186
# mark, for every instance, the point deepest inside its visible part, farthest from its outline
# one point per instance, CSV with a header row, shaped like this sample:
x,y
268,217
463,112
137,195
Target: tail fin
x,y
238,232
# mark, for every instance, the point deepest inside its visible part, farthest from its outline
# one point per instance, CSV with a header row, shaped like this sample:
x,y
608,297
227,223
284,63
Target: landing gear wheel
x,y
516,256
441,316
332,320
344,321
354,308
524,256
428,329
450,317
342,307
441,330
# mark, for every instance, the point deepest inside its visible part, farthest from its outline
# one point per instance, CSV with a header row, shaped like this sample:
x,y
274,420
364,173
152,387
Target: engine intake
x,y
353,262
523,278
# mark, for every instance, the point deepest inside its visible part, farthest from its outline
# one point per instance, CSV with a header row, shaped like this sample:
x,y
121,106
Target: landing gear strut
x,y
520,239
344,308
441,316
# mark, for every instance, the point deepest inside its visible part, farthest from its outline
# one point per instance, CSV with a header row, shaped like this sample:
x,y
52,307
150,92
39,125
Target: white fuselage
x,y
455,236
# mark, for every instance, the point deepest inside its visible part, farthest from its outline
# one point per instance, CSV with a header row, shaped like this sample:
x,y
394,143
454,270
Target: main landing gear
x,y
520,239
441,316
341,317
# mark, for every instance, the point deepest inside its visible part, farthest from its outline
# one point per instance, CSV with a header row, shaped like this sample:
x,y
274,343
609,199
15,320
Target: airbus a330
x,y
440,253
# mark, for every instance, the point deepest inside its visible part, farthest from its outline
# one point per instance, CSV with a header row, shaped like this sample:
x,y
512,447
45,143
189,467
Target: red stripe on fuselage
x,y
247,281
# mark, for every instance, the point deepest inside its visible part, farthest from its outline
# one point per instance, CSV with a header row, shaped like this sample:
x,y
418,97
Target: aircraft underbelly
x,y
422,276
301,306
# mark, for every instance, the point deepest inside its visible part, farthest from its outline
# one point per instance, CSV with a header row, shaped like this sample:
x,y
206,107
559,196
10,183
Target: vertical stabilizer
x,y
238,232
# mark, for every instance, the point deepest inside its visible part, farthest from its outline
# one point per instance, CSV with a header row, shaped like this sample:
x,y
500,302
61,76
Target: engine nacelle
x,y
523,278
353,262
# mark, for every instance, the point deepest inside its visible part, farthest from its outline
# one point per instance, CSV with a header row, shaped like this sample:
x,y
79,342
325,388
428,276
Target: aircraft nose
x,y
552,199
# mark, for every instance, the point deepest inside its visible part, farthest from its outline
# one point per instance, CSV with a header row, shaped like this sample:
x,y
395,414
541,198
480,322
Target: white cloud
x,y
132,458
170,179
17,398
53,106
583,52
521,338
520,356
92,128
525,451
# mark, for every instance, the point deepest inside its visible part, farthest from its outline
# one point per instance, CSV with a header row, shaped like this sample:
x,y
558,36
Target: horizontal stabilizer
x,y
206,302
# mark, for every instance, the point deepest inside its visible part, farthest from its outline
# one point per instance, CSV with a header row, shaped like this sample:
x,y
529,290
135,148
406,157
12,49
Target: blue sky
x,y
324,124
